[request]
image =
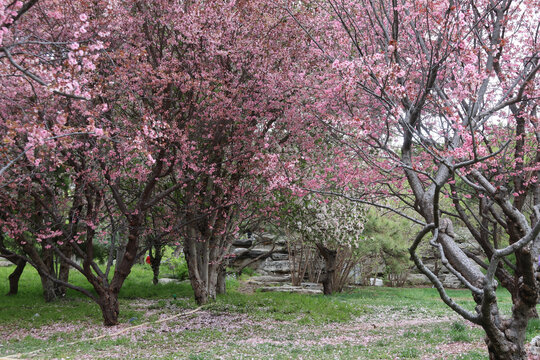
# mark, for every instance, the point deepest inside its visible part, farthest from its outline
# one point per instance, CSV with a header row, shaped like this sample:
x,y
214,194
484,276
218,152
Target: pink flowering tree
x,y
214,91
443,95
47,49
80,164
189,117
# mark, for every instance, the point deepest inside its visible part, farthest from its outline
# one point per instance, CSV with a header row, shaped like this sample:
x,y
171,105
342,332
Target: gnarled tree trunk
x,y
329,257
204,260
156,254
108,303
221,280
15,276
202,275
505,340
63,274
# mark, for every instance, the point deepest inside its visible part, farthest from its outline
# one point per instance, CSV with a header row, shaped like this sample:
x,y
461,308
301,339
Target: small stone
x,y
535,346
242,242
240,252
279,267
167,281
279,256
291,289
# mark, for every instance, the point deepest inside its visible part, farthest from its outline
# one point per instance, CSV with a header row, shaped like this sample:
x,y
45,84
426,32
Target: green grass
x,y
367,323
31,310
304,309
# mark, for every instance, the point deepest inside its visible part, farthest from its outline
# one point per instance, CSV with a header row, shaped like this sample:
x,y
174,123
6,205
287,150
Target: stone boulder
x,y
269,280
279,256
242,242
417,279
240,253
5,263
535,347
293,289
376,282
259,250
271,266
168,281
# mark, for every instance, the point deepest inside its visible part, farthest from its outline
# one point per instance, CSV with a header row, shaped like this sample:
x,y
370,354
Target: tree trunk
x,y
198,284
203,272
108,302
329,257
505,347
221,280
15,276
506,339
513,352
200,291
155,261
155,270
49,288
63,274
213,275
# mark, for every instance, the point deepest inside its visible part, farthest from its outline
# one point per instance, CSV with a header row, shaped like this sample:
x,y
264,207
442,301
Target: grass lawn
x,y
367,323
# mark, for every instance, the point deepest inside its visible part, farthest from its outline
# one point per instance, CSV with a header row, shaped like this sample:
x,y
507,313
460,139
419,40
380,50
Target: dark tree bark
x,y
63,273
110,309
221,287
15,276
329,257
206,242
156,254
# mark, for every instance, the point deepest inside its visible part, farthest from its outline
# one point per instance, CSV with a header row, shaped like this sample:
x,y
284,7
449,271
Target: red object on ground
x,y
148,259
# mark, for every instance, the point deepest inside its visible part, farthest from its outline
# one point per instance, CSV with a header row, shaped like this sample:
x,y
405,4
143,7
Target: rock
x,y
265,238
239,262
281,241
266,280
291,289
242,242
240,252
534,349
168,281
265,249
376,282
259,250
535,346
280,267
450,281
279,256
310,285
5,263
269,278
417,279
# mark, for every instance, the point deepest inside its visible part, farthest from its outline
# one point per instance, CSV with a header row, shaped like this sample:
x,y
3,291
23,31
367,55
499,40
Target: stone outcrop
x,y
306,288
267,254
